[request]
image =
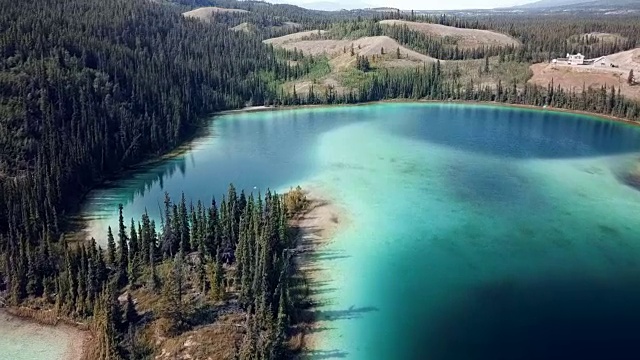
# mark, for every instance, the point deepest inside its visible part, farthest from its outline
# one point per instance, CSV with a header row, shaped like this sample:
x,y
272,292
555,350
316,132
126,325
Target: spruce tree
x,y
111,248
173,306
123,249
133,240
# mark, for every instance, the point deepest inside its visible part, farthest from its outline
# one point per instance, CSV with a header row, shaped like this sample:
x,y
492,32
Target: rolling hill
x,y
467,38
205,13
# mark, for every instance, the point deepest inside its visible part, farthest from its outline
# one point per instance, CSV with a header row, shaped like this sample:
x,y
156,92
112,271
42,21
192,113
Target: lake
x,y
475,232
26,340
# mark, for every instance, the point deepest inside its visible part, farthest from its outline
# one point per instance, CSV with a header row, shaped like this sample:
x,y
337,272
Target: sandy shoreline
x,y
252,109
77,340
317,228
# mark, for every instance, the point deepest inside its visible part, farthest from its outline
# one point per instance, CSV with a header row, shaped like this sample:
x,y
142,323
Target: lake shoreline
x,y
252,109
75,223
36,320
315,228
76,230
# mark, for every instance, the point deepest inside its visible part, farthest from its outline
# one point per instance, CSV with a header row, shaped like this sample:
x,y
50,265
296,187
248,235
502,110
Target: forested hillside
x,y
87,88
90,87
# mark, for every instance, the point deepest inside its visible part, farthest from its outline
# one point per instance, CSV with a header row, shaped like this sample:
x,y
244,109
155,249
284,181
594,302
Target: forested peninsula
x,y
89,88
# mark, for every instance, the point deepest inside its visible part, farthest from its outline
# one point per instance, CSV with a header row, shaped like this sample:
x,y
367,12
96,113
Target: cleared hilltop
x,y
578,76
248,27
206,13
339,51
337,59
466,38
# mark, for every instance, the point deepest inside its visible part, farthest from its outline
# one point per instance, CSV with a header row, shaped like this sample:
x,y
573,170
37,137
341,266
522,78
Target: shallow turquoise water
x,y
24,340
475,232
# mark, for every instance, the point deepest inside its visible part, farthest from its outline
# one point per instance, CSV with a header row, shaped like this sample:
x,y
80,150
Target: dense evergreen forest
x,y
200,257
91,87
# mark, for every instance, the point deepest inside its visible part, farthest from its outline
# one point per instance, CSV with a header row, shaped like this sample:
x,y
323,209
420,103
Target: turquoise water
x,y
24,340
475,232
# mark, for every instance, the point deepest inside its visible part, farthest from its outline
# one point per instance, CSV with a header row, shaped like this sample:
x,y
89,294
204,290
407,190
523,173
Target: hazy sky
x,y
416,4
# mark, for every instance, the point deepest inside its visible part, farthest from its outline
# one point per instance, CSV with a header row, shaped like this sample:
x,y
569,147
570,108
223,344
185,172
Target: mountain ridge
x,y
551,4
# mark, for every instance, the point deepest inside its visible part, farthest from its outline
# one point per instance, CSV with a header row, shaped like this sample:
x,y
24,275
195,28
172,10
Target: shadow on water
x,y
347,314
555,318
491,182
515,133
324,354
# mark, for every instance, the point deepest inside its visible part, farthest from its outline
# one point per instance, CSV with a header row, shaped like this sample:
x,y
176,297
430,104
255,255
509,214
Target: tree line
x,y
429,83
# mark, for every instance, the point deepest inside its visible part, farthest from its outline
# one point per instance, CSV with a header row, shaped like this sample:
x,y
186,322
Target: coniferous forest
x,y
89,88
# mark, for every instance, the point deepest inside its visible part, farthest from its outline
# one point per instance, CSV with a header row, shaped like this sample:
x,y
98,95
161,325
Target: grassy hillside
x,y
463,38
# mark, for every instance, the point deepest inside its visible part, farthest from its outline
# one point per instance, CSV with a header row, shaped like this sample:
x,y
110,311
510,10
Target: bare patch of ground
x,y
319,87
466,38
205,13
382,49
627,60
382,52
576,77
573,78
212,341
247,27
287,25
295,37
466,71
603,37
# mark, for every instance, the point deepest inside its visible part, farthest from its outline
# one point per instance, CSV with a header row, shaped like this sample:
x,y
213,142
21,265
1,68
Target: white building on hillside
x,y
577,59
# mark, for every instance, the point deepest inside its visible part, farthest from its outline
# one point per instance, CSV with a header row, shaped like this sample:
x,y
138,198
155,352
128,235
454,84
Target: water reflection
x,y
514,132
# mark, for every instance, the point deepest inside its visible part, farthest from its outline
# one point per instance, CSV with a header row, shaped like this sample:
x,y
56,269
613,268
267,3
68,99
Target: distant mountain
x,y
580,4
548,3
334,6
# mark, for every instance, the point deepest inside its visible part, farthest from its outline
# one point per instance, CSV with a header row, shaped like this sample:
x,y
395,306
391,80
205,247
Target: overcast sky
x,y
415,4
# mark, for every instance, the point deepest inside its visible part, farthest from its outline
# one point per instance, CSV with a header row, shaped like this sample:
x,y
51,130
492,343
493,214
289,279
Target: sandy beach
x,y
317,228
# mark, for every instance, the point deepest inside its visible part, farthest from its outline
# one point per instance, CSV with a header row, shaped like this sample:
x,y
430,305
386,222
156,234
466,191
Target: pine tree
x,y
111,248
216,278
123,262
173,306
153,276
133,240
133,271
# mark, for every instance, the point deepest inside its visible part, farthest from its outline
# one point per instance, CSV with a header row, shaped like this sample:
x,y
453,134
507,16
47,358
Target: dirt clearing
x,y
383,50
467,38
205,13
576,77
